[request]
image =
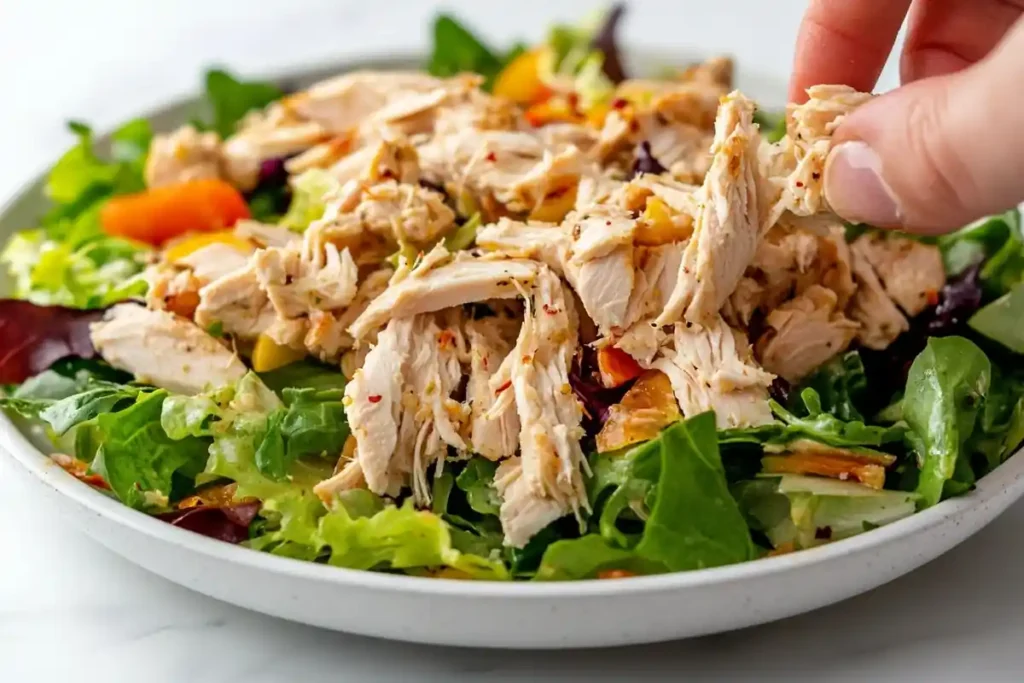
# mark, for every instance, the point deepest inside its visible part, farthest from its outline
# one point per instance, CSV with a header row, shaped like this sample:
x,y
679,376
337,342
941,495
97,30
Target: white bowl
x,y
510,615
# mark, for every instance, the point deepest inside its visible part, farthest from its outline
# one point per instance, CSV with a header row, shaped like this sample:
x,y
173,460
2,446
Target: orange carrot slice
x,y
162,213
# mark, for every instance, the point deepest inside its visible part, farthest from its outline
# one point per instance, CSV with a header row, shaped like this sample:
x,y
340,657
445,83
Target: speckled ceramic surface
x,y
578,614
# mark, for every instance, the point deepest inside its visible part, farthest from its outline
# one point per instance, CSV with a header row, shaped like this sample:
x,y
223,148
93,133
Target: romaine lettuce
x,y
671,496
138,459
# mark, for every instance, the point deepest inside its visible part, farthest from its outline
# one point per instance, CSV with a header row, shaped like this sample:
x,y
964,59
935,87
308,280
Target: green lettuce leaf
x,y
69,261
573,56
463,236
138,459
314,422
310,191
673,488
694,522
304,374
93,274
809,420
946,386
81,178
585,557
841,384
772,124
1000,426
398,538
476,480
822,426
99,399
456,50
1005,268
230,99
980,240
1000,320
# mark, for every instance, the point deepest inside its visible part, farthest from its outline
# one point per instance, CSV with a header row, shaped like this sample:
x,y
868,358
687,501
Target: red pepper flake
x,y
816,175
619,103
387,174
503,387
799,184
445,339
374,398
491,156
932,296
574,102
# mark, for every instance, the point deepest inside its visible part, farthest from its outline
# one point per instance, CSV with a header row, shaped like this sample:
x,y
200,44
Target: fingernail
x,y
855,189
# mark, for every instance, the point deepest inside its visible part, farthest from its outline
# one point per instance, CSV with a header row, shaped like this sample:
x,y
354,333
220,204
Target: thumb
x,y
938,153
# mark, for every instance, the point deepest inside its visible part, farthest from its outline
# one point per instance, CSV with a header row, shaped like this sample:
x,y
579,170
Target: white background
x,y
71,611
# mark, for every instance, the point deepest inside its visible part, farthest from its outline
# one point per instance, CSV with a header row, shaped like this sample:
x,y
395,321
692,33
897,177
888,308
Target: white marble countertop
x,y
71,610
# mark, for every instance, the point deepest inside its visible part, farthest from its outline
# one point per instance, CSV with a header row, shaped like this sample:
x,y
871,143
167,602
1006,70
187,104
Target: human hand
x,y
948,146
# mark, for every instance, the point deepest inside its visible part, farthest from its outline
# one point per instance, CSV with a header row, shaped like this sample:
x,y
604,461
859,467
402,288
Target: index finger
x,y
845,42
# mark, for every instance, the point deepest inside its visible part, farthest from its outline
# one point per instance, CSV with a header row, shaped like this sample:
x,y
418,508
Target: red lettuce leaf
x,y
229,523
32,338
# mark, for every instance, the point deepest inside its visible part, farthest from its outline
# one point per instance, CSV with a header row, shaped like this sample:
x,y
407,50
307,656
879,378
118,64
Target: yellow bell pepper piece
x,y
555,205
597,114
659,224
268,355
183,247
520,80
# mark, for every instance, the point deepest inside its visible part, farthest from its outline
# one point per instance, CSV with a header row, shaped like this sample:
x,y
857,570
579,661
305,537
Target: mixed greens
x,y
869,438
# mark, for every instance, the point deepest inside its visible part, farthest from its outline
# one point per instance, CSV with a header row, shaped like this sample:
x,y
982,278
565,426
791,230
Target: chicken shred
x,y
911,271
727,229
181,156
804,333
189,360
535,379
711,367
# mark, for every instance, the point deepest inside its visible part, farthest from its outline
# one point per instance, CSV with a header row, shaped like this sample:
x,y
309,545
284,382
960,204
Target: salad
x,y
518,315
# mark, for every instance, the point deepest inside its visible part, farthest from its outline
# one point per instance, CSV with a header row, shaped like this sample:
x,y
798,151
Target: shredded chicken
x,y
441,282
344,102
795,167
237,303
880,319
163,349
911,271
711,367
181,156
535,379
493,435
406,427
725,236
804,333
274,133
788,260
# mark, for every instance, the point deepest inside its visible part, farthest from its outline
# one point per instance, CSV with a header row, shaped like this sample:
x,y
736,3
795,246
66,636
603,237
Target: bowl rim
x,y
1007,479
